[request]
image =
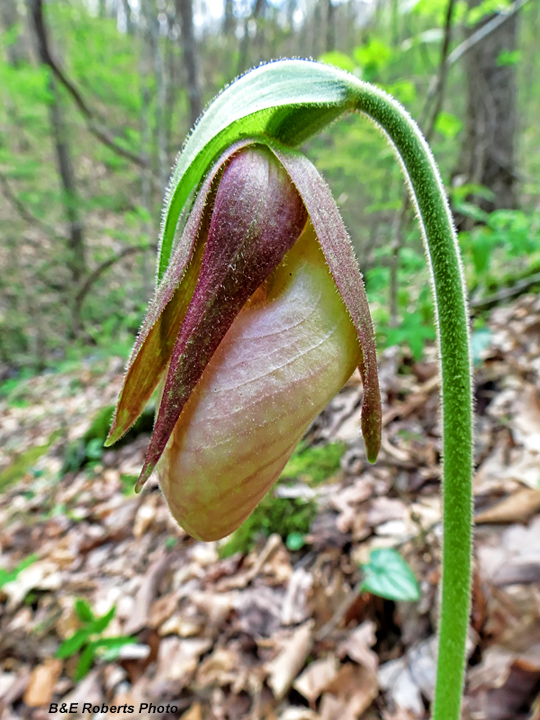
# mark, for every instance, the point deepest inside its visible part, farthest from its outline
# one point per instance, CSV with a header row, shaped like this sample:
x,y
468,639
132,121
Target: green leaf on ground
x,y
388,575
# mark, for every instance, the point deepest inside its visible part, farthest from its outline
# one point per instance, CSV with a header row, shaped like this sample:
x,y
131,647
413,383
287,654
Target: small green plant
x,y
7,576
24,462
503,246
89,449
89,642
388,575
290,518
315,463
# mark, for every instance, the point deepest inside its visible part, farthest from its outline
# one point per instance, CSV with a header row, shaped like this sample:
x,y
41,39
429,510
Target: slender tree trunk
x,y
64,161
185,11
256,12
229,19
9,17
126,6
316,24
488,155
330,26
150,15
146,180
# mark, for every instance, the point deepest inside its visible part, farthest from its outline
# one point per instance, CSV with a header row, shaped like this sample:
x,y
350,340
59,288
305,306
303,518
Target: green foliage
x,y
89,448
412,331
285,516
509,57
7,576
339,60
448,125
89,642
388,575
486,8
314,464
504,247
24,462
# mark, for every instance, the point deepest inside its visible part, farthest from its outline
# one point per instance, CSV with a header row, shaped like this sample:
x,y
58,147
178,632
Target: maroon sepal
x,y
158,334
257,217
339,254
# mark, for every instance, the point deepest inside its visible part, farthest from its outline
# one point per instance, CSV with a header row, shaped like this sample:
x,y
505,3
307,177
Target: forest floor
x,y
274,633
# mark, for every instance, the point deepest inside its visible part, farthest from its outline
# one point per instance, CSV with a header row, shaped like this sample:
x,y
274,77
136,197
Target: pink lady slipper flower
x,y
258,322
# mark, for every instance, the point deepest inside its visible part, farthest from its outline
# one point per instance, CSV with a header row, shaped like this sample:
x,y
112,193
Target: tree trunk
x,y
9,17
229,22
128,17
330,26
185,11
488,152
64,161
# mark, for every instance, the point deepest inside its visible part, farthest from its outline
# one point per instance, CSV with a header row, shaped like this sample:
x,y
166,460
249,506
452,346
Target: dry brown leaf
x,y
526,422
515,558
519,507
194,712
88,690
283,669
42,681
316,677
408,678
358,646
258,609
178,657
355,688
146,594
399,714
146,515
505,682
222,667
384,509
298,713
215,607
41,575
179,624
162,609
294,607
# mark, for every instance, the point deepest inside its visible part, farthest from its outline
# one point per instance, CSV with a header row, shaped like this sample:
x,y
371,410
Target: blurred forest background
x,y
96,99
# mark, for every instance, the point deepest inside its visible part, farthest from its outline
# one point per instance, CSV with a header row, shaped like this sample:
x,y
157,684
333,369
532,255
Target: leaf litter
x,y
281,629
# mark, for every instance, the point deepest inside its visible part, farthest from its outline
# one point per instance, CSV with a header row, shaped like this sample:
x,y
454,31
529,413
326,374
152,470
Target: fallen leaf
x,y
357,646
409,678
294,608
42,681
178,658
194,712
283,669
355,687
316,677
515,558
520,507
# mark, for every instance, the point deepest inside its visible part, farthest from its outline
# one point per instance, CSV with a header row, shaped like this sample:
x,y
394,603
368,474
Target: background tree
x,y
488,156
110,95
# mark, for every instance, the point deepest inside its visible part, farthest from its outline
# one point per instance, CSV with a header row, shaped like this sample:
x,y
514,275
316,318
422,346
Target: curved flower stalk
x,y
286,246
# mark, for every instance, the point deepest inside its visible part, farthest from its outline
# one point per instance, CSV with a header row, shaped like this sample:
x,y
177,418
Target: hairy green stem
x,y
448,284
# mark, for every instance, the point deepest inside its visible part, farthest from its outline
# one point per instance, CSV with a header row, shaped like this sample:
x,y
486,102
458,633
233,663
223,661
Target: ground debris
x,y
275,633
